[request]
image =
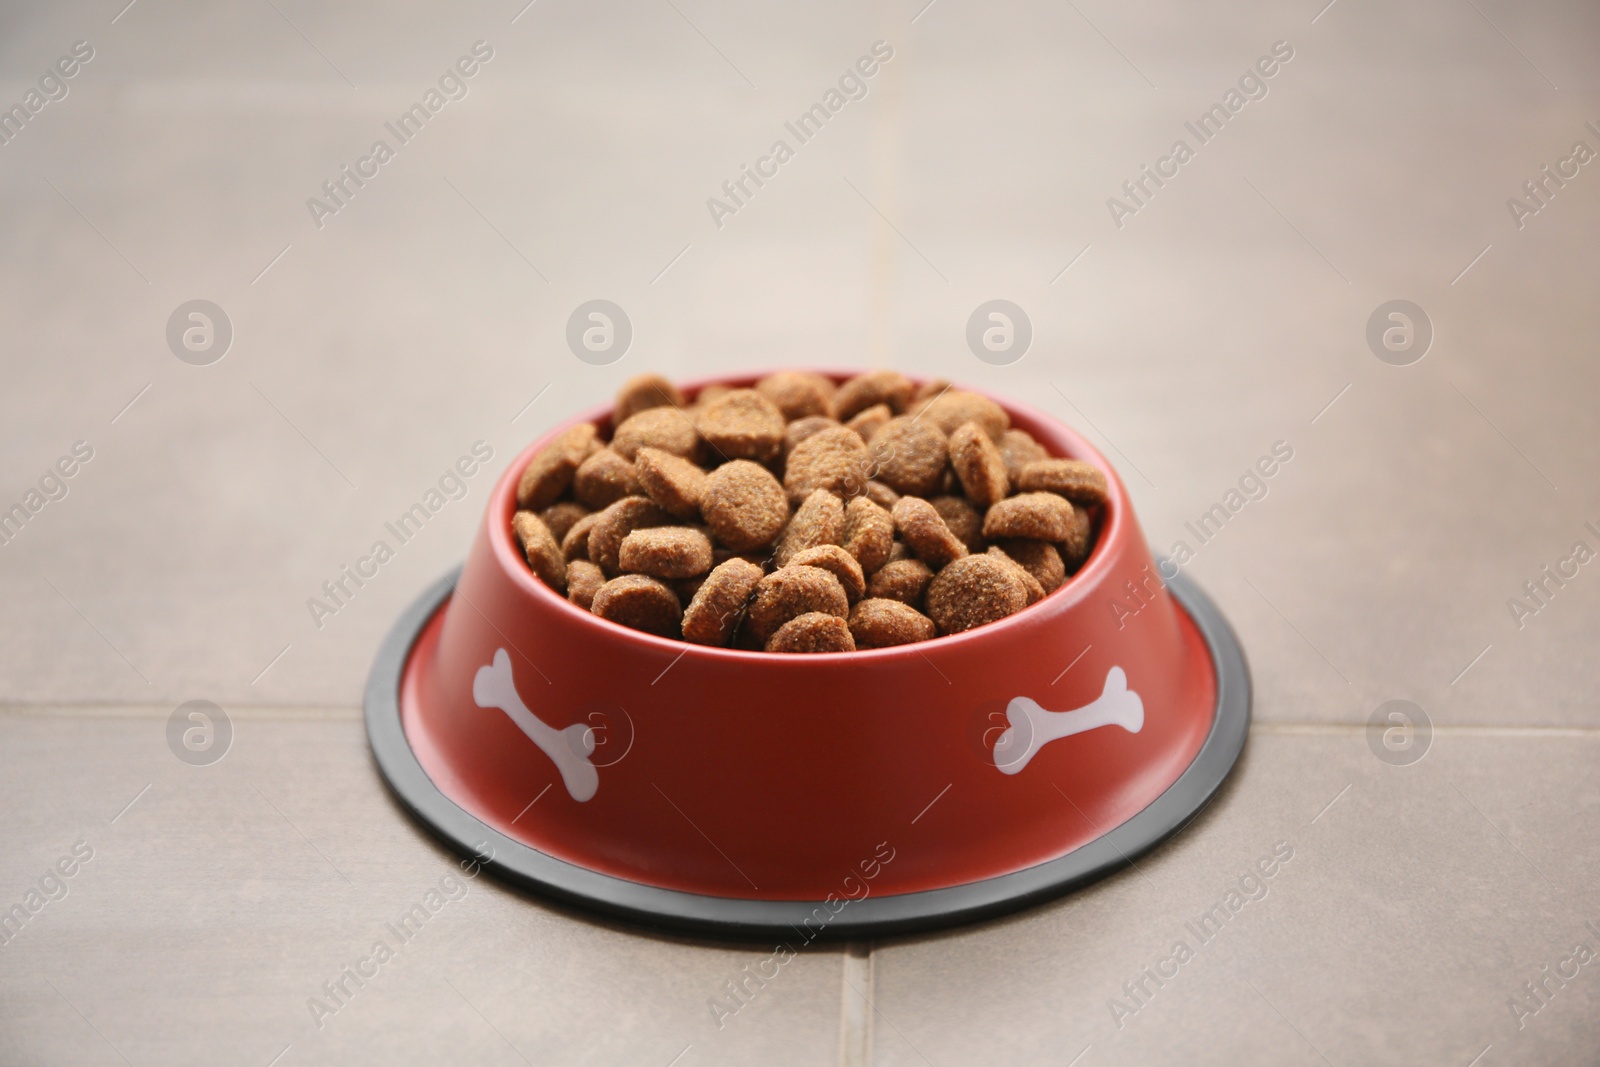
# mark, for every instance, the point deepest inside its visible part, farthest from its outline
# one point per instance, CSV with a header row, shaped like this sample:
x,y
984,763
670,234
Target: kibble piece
x,y
905,580
834,459
1036,516
814,631
868,533
665,428
929,389
796,394
709,393
973,591
958,406
1018,449
575,545
839,563
819,520
1036,591
720,601
964,520
870,421
671,481
665,552
615,523
791,591
562,516
686,588
881,623
741,424
925,533
540,548
881,495
1038,558
603,479
549,473
584,580
1079,540
744,505
898,551
642,392
640,603
1079,482
909,456
875,387
979,465
802,428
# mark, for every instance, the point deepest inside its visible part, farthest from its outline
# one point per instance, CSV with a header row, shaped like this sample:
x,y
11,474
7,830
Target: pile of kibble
x,y
805,516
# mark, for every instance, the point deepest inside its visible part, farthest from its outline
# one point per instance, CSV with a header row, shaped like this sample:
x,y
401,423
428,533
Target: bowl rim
x,y
509,557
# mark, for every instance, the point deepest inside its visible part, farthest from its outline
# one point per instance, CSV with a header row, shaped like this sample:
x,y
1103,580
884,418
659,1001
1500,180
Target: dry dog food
x,y
804,516
814,631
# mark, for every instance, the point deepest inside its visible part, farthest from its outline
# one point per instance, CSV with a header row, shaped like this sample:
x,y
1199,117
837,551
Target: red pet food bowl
x,y
747,794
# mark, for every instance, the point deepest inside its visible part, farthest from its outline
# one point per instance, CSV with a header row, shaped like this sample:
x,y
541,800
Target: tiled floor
x,y
1228,313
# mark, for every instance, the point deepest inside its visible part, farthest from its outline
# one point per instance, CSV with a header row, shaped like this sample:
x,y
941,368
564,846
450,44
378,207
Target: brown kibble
x,y
881,495
949,411
584,580
839,563
973,591
925,533
819,520
549,473
1018,448
671,481
665,552
639,603
562,516
709,393
800,429
868,533
540,548
875,387
741,424
898,551
964,520
575,545
791,591
814,631
1038,558
930,389
1036,516
910,456
616,522
1079,540
665,428
870,421
744,505
1036,591
979,465
603,479
834,459
796,394
1080,482
905,580
686,588
882,623
642,392
720,602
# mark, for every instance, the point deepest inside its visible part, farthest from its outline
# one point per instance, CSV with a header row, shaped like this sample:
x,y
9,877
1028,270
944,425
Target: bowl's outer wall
x,y
795,777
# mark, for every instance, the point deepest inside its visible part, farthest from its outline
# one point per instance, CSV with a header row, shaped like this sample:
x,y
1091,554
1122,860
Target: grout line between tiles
x,y
855,1008
334,713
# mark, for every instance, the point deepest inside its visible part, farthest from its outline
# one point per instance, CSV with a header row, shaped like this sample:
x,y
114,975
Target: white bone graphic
x,y
495,686
1032,727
